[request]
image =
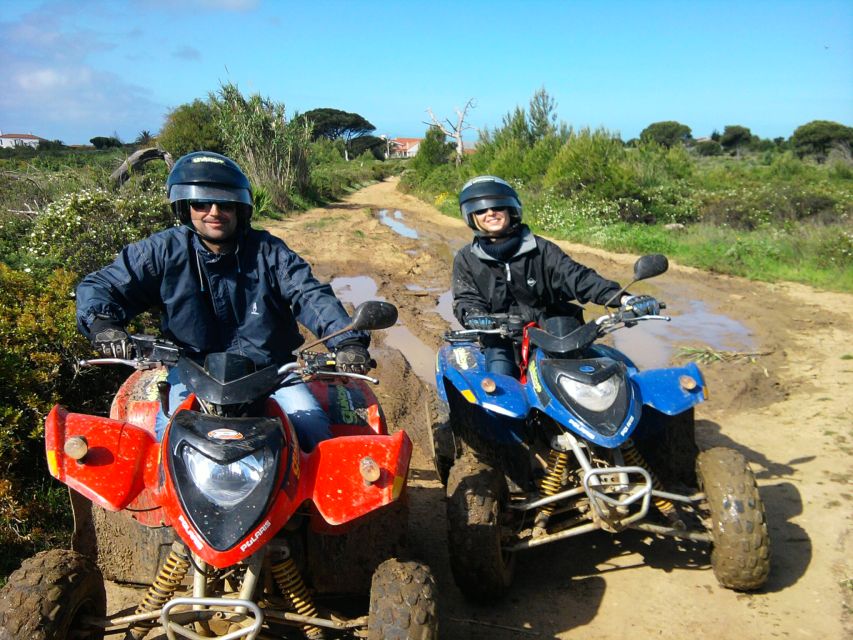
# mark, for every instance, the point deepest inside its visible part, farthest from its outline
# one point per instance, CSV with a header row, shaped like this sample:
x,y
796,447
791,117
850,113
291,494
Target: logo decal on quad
x,y
587,368
464,358
192,534
348,410
266,525
536,381
225,434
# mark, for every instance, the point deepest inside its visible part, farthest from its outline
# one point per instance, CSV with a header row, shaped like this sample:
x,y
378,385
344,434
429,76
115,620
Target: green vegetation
x,y
191,127
737,204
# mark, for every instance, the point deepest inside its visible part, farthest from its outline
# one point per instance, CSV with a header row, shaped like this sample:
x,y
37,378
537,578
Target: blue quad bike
x,y
583,441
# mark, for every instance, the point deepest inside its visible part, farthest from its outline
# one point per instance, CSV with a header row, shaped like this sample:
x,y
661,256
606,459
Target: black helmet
x,y
209,177
484,192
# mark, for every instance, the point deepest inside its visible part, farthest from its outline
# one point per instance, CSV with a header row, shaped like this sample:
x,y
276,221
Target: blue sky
x,y
74,69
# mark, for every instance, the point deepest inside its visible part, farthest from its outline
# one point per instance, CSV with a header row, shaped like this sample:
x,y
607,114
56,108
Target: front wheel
x,y
49,597
440,439
741,553
402,602
476,500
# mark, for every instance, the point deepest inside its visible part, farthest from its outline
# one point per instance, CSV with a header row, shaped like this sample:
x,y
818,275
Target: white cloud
x,y
55,91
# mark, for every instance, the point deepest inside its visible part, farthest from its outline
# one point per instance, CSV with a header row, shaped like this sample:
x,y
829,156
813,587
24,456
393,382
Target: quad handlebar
x,y
512,326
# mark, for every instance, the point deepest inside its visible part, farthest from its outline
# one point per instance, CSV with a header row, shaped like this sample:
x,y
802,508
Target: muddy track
x,y
787,410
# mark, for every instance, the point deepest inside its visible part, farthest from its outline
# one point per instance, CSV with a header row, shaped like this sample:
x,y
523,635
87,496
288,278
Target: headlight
x,y
225,485
597,397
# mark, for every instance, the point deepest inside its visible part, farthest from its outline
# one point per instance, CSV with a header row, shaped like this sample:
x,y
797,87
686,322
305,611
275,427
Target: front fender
x,y
673,390
114,470
336,486
463,367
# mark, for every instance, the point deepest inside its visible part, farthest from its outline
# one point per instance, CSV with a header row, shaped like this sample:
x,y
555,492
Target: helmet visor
x,y
210,193
479,204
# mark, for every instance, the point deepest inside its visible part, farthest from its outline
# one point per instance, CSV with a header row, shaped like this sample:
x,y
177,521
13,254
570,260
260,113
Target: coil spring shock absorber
x,y
168,579
634,458
549,485
290,582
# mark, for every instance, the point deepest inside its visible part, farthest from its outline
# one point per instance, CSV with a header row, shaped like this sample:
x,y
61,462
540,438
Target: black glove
x,y
111,339
480,322
642,306
353,358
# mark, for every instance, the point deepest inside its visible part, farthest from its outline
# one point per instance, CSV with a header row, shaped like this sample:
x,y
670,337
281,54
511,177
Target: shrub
x,y
191,127
592,162
84,230
708,148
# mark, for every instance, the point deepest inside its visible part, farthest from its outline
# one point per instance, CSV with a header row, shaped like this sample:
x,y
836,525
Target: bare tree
x,y
454,130
138,159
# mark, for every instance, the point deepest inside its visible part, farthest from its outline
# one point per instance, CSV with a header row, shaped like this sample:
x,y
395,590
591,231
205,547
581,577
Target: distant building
x,y
405,147
12,140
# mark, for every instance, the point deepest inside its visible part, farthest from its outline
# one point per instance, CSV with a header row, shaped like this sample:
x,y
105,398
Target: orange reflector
x,y
397,487
76,448
488,385
687,383
53,464
369,469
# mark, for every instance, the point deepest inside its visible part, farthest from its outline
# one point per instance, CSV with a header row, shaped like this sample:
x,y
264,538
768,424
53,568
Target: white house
x,y
12,140
405,147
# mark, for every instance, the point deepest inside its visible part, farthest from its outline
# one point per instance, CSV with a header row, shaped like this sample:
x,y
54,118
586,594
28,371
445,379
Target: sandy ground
x,y
788,410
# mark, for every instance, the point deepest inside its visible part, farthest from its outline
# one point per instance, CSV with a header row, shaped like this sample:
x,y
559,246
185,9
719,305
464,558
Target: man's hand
x,y
353,358
642,306
480,323
111,339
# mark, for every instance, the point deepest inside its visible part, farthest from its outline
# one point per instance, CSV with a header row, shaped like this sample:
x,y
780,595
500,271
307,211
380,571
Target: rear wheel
x,y
50,595
476,499
741,553
402,602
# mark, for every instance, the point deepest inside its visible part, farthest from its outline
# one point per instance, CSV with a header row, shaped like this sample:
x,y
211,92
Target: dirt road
x,y
788,411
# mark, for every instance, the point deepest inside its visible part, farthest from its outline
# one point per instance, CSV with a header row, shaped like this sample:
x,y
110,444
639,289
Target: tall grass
x,y
271,150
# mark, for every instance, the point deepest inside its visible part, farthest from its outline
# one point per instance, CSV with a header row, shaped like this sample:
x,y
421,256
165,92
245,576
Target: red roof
x,y
21,136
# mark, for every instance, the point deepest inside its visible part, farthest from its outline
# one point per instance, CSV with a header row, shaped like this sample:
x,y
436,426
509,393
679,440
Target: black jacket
x,y
538,281
247,302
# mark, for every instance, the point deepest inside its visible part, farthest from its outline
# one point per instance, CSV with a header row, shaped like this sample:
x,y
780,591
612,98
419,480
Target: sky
x,y
75,69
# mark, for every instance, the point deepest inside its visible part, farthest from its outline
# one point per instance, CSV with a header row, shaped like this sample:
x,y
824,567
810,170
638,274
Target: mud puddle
x,y
395,222
654,343
421,358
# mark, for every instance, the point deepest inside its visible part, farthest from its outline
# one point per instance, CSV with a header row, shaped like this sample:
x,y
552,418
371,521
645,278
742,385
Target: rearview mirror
x,y
373,315
650,266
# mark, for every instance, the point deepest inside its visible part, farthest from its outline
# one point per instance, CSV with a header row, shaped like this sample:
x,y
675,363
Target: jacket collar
x,y
528,244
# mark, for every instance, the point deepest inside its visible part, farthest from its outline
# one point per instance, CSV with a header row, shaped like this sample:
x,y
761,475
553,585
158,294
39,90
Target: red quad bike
x,y
242,534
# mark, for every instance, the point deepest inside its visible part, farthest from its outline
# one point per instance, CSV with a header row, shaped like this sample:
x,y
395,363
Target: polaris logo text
x,y
192,534
266,525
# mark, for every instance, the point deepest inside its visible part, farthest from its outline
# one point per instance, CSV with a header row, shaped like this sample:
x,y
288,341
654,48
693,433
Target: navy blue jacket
x,y
247,302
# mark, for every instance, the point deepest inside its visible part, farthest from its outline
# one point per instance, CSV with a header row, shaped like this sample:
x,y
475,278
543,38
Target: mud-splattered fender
x,y
463,367
120,458
673,390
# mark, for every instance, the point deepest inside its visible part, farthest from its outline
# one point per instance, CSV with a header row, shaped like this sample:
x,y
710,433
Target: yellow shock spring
x,y
293,587
551,483
635,459
168,579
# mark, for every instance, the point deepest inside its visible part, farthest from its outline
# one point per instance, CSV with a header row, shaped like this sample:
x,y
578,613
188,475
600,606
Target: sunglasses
x,y
483,212
205,207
